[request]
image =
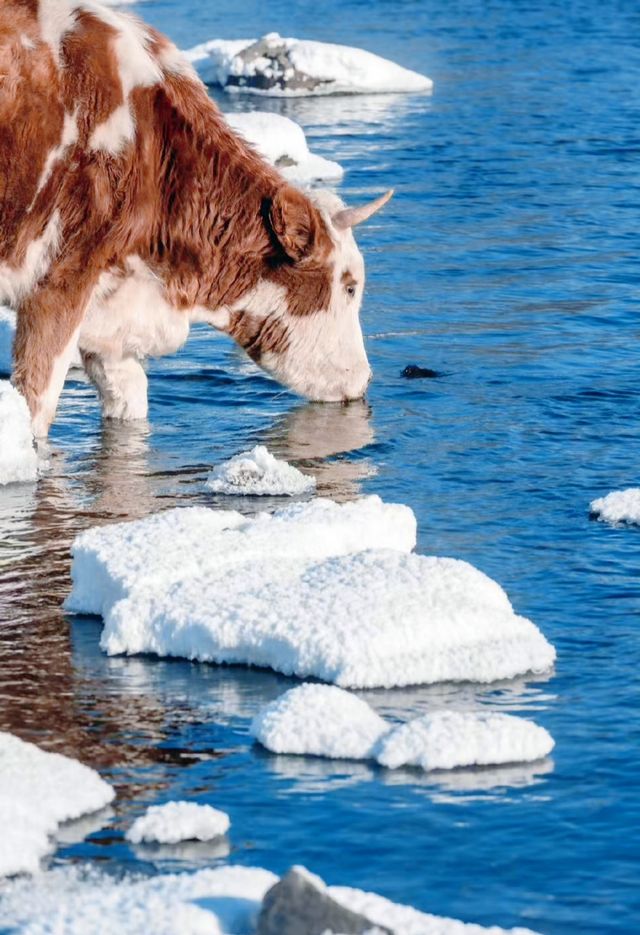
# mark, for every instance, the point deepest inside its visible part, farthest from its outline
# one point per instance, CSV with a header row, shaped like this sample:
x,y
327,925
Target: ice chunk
x,y
110,561
320,720
297,67
75,901
450,739
178,821
377,618
258,473
323,720
18,458
38,791
282,142
620,506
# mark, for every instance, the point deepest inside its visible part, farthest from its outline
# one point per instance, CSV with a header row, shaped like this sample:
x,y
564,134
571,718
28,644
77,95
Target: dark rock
x,y
300,905
413,372
279,71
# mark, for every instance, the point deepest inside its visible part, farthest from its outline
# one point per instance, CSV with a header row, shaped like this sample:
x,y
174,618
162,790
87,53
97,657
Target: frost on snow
x,y
326,721
18,458
283,143
620,506
39,791
310,590
296,67
74,901
178,821
258,473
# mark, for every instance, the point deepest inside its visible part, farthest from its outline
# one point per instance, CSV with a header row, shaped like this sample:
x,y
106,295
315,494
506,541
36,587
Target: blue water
x,y
507,261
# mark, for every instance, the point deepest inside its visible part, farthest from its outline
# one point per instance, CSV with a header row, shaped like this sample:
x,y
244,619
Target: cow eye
x,y
351,290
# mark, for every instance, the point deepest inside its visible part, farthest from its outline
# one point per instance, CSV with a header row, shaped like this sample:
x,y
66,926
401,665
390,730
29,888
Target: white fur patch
x,y
27,43
122,385
56,18
68,138
15,282
48,402
119,128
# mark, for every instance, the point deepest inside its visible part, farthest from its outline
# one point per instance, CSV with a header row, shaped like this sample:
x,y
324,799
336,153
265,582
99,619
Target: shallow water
x,y
508,262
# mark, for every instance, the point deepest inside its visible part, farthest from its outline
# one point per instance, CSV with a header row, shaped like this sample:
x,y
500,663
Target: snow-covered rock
x,y
296,67
320,720
258,473
315,589
283,143
323,720
178,821
18,458
220,901
620,506
39,791
110,562
450,739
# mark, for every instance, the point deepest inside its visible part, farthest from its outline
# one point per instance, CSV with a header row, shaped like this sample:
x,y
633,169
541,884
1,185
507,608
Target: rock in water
x,y
300,904
413,372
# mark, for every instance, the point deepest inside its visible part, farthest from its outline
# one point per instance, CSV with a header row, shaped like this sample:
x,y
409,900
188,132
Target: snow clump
x,y
258,473
620,506
18,458
178,821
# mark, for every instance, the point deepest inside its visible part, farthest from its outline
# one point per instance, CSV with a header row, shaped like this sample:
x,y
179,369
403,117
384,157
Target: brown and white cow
x,y
129,210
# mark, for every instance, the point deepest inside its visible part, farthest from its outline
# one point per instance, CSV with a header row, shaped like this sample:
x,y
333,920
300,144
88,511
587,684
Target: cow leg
x,y
46,337
121,383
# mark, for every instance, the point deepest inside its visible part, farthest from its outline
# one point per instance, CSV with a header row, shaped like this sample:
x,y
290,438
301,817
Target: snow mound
x,y
18,458
74,901
110,562
297,67
450,739
178,821
258,473
620,506
283,143
39,791
320,720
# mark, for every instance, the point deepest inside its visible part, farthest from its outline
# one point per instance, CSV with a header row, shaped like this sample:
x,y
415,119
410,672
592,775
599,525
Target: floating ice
x,y
620,506
320,720
39,791
18,458
326,721
283,143
74,901
178,821
258,473
296,67
109,562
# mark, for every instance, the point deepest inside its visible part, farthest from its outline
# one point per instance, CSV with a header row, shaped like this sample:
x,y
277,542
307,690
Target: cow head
x,y
301,323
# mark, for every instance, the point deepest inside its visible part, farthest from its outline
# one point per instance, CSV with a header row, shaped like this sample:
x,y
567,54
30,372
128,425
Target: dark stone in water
x,y
413,372
279,71
298,905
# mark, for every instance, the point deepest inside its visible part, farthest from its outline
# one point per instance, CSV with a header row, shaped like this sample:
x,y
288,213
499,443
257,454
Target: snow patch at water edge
x,y
298,67
220,901
110,562
18,458
283,143
258,473
619,506
178,821
39,791
323,720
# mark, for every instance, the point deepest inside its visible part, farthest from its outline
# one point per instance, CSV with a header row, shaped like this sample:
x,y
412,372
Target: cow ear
x,y
294,223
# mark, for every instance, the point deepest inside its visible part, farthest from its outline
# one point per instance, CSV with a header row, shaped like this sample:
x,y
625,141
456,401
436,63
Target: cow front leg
x,y
121,383
47,330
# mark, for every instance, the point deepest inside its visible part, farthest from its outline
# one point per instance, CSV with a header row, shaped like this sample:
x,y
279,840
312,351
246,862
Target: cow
x,y
129,210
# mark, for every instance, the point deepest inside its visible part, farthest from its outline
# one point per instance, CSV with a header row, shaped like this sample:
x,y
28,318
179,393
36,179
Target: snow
x,y
620,506
258,473
283,143
320,720
178,821
109,562
323,720
18,458
451,739
39,791
74,901
297,67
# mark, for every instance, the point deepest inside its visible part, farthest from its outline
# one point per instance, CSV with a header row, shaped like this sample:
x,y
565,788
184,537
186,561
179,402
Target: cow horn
x,y
349,217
